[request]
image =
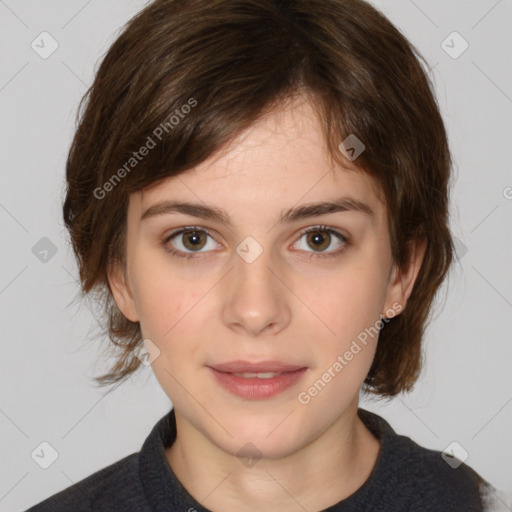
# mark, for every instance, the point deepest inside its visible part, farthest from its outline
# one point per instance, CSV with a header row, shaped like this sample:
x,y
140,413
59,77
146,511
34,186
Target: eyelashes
x,y
195,233
333,235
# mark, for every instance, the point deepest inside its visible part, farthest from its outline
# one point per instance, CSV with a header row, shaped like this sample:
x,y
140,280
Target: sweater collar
x,y
164,491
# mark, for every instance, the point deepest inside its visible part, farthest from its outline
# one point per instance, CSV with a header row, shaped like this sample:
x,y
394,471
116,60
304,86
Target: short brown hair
x,y
230,62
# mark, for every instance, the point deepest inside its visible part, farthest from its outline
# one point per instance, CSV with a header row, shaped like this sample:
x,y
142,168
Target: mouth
x,y
257,381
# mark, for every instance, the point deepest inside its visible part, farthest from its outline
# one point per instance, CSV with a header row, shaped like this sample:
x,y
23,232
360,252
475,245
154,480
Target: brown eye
x,y
318,240
186,242
194,240
321,241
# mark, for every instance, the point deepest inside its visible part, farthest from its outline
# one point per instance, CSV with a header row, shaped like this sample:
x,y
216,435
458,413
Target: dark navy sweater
x,y
406,477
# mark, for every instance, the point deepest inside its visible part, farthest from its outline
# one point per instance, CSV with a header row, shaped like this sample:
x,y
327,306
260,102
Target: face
x,y
263,310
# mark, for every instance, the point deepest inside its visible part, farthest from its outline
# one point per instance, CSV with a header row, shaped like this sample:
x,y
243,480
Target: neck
x,y
316,476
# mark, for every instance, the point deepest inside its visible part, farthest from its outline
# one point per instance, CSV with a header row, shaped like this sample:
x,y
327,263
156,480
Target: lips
x,y
258,375
260,367
257,380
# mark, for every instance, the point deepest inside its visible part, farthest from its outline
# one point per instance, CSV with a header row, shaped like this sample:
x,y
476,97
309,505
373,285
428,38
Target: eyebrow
x,y
305,211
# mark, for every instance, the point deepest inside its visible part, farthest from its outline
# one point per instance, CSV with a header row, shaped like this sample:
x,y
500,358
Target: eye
x,y
321,238
187,241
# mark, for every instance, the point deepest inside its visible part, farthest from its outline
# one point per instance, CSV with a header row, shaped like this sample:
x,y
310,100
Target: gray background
x,y
48,354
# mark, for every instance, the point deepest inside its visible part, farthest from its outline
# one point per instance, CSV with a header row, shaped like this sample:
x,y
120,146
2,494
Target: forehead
x,y
280,161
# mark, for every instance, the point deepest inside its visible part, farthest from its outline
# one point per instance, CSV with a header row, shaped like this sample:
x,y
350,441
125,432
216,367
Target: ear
x,y
121,291
402,280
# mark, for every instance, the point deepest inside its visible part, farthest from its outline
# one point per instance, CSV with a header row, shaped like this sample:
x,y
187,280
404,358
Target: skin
x,y
288,305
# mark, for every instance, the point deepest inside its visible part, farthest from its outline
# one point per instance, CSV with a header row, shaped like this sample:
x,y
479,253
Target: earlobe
x,y
402,280
121,292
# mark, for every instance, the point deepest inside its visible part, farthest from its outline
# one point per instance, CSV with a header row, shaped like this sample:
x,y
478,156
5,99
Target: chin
x,y
262,448
268,437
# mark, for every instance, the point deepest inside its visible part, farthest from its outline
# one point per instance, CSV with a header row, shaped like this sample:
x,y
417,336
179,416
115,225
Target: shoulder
x,y
410,477
434,481
440,482
115,487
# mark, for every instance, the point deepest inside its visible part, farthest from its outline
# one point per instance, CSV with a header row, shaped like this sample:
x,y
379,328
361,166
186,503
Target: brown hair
x,y
189,75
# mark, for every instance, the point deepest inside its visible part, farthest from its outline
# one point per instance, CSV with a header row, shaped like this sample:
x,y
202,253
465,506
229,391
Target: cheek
x,y
160,302
162,295
344,354
347,302
174,311
170,316
159,307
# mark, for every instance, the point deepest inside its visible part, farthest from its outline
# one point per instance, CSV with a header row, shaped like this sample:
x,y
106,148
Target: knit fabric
x,y
406,477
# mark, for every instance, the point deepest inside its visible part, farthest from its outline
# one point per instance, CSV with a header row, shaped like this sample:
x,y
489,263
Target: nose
x,y
256,298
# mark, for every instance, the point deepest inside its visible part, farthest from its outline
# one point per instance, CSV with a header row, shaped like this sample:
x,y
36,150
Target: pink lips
x,y
230,377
